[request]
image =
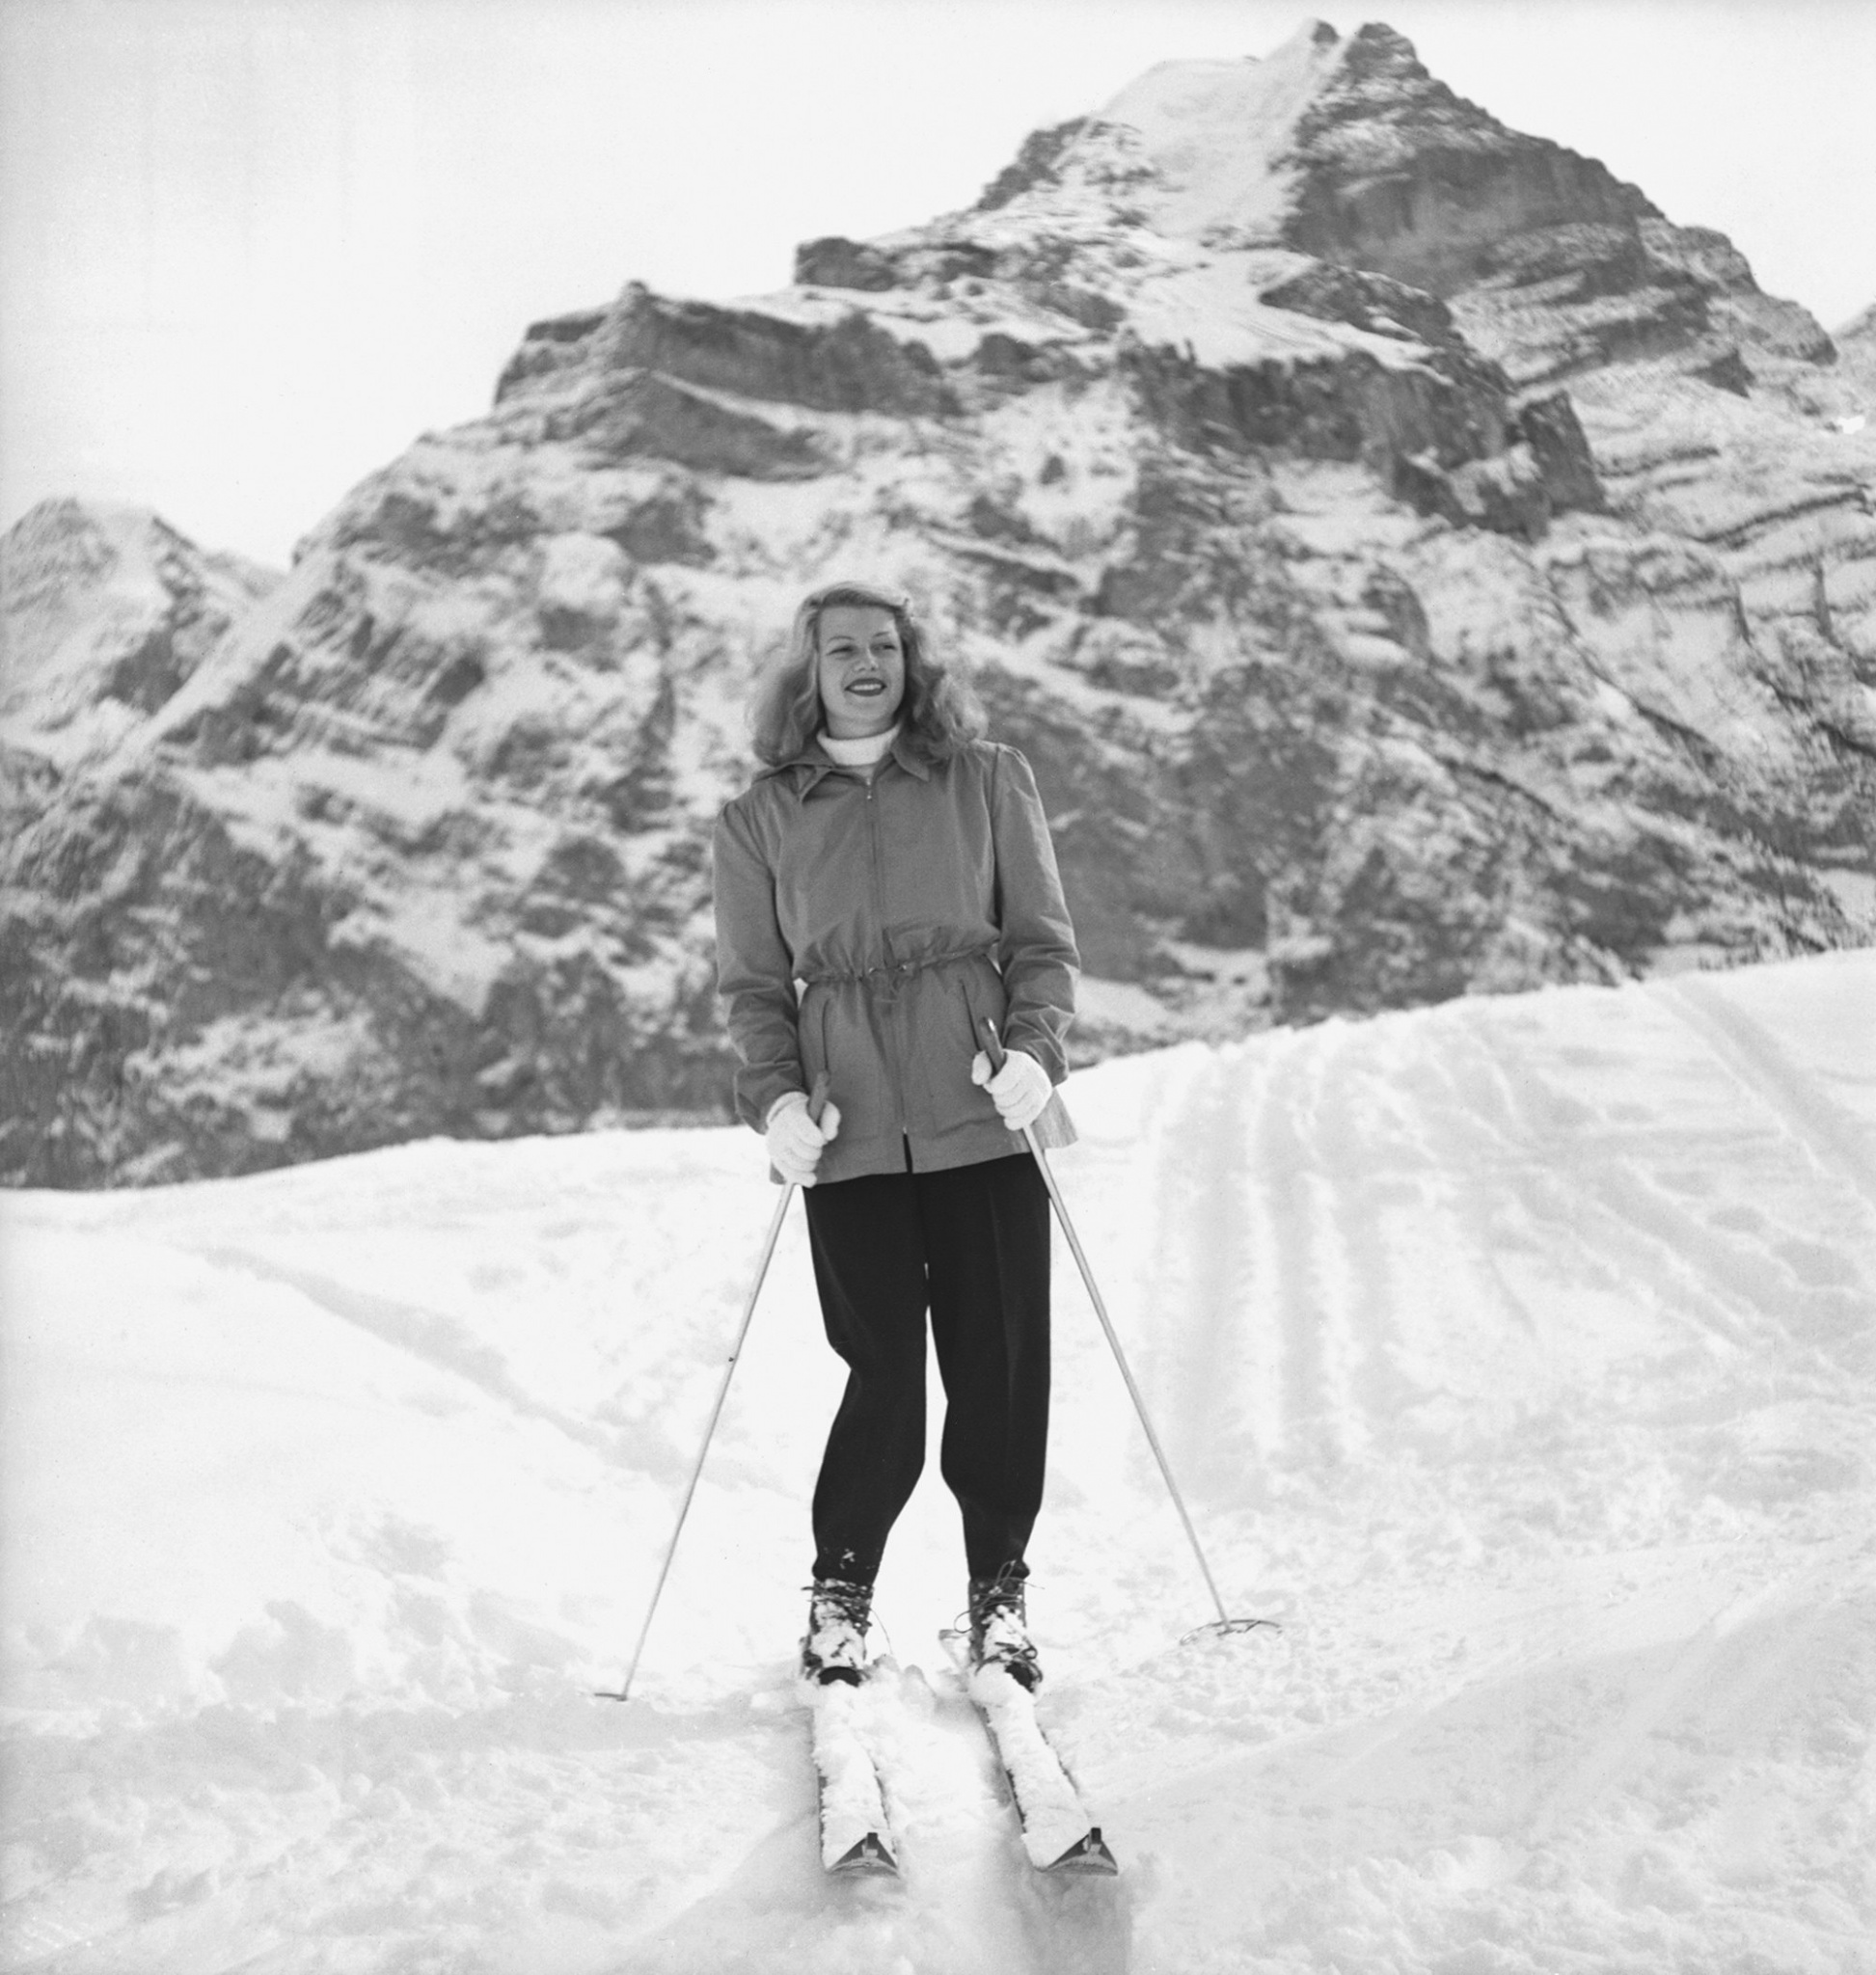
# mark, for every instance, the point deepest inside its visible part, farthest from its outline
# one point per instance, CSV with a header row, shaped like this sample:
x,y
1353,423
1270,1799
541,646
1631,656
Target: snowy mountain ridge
x,y
1413,566
107,612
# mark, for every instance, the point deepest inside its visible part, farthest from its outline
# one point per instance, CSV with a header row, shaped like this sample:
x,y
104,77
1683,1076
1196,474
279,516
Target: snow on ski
x,y
855,1838
1057,1832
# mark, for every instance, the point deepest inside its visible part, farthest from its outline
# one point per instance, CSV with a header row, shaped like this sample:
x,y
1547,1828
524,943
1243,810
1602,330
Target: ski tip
x,y
870,1858
1088,1856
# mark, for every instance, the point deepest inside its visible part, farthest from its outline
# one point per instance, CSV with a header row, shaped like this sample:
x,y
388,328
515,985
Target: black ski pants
x,y
970,1245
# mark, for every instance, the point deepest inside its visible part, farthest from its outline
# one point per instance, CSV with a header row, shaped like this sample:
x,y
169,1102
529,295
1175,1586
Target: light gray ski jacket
x,y
863,926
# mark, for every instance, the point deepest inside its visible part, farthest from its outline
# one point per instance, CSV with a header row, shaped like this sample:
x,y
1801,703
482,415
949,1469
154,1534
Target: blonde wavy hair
x,y
938,717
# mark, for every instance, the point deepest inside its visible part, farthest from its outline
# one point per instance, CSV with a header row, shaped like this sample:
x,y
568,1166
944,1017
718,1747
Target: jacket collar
x,y
813,764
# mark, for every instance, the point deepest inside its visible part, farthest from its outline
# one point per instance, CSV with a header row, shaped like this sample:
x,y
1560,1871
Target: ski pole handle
x,y
992,1043
817,1103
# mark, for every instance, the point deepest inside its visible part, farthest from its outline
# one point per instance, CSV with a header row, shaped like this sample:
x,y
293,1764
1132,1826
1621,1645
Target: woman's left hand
x,y
1019,1090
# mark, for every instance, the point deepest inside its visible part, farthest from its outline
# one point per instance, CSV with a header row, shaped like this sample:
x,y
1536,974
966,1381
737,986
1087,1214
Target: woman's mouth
x,y
869,687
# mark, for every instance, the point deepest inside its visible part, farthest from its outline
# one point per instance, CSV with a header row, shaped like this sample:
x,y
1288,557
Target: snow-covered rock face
x,y
1413,566
104,611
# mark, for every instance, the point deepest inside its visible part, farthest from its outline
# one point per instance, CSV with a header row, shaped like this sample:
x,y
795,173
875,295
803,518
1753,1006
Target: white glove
x,y
794,1142
1021,1089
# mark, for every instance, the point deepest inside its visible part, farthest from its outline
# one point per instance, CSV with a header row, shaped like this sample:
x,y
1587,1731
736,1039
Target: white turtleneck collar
x,y
867,753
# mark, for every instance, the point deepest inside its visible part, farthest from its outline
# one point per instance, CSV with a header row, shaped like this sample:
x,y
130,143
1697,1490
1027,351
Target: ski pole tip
x,y
1223,1628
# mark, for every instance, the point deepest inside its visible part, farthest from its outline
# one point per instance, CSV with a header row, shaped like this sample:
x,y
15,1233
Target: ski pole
x,y
816,1103
994,1049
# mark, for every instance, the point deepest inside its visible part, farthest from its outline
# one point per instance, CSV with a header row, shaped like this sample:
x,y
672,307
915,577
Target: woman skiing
x,y
884,885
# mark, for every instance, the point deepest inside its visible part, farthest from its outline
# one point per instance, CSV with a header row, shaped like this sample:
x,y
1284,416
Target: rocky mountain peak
x,y
1347,150
1413,566
105,611
1221,137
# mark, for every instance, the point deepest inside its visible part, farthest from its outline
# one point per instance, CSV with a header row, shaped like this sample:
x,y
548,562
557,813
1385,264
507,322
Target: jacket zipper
x,y
885,947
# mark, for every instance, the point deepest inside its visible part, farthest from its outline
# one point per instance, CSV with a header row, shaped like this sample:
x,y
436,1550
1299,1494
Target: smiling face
x,y
860,671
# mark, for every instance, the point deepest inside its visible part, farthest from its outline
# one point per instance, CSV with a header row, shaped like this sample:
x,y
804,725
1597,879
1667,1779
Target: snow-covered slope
x,y
1519,1355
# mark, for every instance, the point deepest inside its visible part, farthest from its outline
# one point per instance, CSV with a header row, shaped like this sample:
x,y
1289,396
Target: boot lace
x,y
839,1615
999,1631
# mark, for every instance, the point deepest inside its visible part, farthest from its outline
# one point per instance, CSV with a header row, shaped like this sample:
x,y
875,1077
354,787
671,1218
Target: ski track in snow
x,y
1518,1354
1837,1146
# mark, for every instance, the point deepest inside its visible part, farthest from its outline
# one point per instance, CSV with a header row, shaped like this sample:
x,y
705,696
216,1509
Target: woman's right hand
x,y
794,1141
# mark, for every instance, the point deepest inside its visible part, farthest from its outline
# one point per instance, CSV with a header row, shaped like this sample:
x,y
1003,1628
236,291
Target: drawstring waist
x,y
893,973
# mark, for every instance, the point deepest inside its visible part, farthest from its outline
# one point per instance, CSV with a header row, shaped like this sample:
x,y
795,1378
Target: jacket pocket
x,y
981,993
840,1034
810,1032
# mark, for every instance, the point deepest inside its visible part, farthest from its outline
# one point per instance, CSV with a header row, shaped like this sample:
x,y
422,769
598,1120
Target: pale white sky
x,y
249,248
